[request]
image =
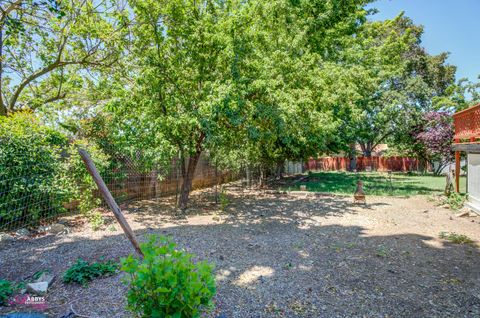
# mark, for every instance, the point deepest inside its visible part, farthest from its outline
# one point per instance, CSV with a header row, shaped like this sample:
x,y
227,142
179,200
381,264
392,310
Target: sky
x,y
450,26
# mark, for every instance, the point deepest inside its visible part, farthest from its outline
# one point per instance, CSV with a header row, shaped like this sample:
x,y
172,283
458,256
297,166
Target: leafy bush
x,y
455,238
82,271
29,169
224,201
454,200
76,178
41,172
6,290
96,219
167,283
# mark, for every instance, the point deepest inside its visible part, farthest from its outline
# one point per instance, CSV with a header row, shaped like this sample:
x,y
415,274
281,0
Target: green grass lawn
x,y
375,183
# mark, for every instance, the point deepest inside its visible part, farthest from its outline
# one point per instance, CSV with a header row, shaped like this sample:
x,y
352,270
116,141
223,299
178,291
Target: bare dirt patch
x,y
280,255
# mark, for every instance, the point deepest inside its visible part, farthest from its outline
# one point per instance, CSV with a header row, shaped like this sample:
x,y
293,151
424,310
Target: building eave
x,y
467,147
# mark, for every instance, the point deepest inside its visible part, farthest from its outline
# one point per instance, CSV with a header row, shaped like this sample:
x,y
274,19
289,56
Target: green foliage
x,y
6,290
167,283
48,45
454,200
78,181
288,79
83,272
245,70
224,201
382,252
29,170
96,219
456,238
41,171
395,82
88,202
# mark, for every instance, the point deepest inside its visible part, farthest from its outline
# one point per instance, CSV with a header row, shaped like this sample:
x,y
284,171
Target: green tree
x,y
297,46
50,49
395,79
218,76
460,95
183,94
30,185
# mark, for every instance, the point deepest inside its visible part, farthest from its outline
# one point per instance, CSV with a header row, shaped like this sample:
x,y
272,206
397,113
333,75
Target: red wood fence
x,y
375,163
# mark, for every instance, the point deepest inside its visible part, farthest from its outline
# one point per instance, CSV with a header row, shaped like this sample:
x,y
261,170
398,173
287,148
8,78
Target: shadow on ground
x,y
276,260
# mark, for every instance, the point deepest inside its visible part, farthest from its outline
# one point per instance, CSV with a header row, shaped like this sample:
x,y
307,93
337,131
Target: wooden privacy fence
x,y
375,163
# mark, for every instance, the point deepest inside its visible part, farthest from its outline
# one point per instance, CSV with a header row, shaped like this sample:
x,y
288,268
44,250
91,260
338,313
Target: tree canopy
x,y
51,49
250,83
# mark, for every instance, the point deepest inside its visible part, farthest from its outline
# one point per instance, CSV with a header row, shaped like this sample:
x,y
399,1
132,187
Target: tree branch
x,y
381,139
6,12
58,96
55,65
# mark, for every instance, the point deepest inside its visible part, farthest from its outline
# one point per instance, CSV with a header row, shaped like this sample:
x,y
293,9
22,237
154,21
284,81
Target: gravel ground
x,y
280,255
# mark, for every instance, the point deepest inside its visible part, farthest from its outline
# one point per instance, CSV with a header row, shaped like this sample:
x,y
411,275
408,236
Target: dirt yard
x,y
280,255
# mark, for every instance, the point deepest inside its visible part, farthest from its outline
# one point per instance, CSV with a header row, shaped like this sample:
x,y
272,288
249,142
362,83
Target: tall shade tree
x,y
461,95
219,76
184,53
295,44
48,48
395,79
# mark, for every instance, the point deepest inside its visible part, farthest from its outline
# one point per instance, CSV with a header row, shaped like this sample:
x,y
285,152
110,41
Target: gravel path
x,y
281,255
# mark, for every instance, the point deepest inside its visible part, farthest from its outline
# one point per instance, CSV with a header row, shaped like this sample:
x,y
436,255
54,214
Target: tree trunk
x,y
353,164
449,182
187,181
249,176
188,174
353,157
216,184
279,170
262,177
367,148
153,182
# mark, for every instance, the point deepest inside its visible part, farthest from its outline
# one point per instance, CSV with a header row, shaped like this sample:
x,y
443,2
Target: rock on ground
x,y
38,288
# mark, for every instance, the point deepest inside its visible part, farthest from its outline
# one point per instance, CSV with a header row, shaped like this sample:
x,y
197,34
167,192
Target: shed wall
x,y
473,182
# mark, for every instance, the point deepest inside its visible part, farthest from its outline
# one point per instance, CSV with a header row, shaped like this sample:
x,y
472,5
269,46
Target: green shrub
x,y
96,220
83,272
224,201
6,290
76,178
29,167
41,172
167,283
454,200
456,238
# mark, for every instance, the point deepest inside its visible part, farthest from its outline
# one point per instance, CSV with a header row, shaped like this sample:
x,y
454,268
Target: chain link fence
x,y
42,176
38,188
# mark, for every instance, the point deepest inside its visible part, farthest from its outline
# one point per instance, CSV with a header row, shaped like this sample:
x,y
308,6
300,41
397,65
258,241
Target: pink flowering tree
x,y
435,136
